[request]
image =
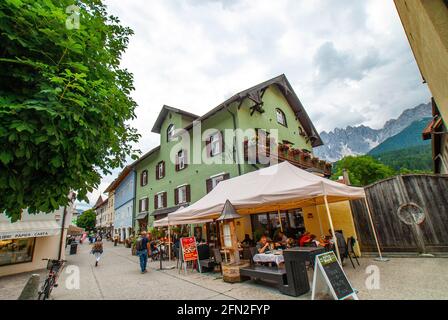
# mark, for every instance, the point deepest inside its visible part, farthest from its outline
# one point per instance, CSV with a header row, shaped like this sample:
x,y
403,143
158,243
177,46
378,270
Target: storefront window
x,y
16,251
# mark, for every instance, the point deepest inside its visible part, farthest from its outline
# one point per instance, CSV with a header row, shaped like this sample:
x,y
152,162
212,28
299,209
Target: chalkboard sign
x,y
334,275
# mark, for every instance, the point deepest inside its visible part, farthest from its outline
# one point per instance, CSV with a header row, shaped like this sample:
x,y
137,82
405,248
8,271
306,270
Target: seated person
x,y
281,240
247,241
263,245
314,242
290,243
306,238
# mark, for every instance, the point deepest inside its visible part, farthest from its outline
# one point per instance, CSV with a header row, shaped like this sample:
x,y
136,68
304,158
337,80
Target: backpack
x,y
139,244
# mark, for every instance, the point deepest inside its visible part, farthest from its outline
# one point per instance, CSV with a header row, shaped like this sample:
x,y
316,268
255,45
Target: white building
x,y
23,244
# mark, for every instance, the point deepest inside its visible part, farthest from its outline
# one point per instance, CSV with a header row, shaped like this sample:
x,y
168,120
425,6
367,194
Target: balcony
x,y
300,158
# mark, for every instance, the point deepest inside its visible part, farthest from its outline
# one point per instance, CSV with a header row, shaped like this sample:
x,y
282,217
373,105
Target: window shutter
x,y
226,176
185,159
176,197
147,204
156,203
177,162
164,200
140,205
157,172
208,147
208,184
221,141
163,169
188,193
141,179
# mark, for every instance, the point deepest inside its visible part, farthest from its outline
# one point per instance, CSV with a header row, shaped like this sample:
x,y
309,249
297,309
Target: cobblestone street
x,y
118,277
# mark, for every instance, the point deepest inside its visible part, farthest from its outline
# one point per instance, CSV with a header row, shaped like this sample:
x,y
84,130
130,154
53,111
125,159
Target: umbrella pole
x,y
374,232
332,228
280,220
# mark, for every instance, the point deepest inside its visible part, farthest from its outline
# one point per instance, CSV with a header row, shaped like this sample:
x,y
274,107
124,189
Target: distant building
x,y
426,26
124,190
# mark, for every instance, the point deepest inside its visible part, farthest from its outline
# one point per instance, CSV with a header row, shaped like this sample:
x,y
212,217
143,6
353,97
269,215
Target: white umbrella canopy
x,y
279,187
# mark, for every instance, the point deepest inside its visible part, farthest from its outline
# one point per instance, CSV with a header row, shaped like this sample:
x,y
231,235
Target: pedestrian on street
x,y
142,248
97,250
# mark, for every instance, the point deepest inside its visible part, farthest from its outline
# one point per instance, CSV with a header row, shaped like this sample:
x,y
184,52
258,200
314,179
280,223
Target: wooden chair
x,y
253,252
351,241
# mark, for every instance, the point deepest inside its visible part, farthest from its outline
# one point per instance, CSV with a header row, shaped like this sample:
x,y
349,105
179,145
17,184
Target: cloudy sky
x,y
348,61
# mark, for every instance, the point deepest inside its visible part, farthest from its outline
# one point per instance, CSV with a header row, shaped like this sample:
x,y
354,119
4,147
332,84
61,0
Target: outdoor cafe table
x,y
269,257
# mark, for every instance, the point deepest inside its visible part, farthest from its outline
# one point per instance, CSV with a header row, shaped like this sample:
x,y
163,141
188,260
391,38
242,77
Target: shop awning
x,y
29,229
279,187
141,215
74,230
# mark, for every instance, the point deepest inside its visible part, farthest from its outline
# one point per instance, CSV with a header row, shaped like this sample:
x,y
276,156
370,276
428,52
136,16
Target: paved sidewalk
x,y
118,277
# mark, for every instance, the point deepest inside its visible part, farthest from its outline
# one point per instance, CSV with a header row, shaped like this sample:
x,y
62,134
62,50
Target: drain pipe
x,y
235,150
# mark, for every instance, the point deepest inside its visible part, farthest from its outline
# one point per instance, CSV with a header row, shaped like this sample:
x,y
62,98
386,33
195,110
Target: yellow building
x,y
426,26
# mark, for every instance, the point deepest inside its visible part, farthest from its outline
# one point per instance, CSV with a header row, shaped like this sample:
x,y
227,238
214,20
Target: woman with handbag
x,y
97,250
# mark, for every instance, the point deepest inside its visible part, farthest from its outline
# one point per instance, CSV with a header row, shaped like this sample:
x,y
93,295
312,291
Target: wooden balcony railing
x,y
300,158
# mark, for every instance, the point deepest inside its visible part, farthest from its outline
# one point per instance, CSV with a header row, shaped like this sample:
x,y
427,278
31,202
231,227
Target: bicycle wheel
x,y
43,291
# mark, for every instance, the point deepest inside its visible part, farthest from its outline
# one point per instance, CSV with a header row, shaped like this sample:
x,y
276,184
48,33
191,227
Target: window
x,y
144,178
170,132
182,194
216,180
160,200
15,251
143,204
181,160
215,144
281,117
213,181
160,170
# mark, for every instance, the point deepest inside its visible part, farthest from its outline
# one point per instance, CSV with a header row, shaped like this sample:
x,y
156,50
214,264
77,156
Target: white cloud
x,y
348,61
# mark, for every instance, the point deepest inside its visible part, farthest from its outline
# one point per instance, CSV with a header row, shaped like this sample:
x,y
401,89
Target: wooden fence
x,y
410,214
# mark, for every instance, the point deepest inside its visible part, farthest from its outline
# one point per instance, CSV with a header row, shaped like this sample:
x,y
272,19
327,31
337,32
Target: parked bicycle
x,y
55,268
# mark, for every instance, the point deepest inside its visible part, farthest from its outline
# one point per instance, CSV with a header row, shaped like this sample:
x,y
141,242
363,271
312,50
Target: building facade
x,y
124,193
24,243
169,177
426,26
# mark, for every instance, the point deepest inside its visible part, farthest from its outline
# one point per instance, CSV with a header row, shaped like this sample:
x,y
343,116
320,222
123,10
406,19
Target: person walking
x,y
97,250
142,248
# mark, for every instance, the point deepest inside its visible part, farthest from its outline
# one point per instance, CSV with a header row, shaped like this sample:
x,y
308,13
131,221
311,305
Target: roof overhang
x,y
164,112
292,98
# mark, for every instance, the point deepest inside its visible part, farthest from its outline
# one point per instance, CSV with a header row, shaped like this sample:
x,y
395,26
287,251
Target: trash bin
x,y
73,248
296,273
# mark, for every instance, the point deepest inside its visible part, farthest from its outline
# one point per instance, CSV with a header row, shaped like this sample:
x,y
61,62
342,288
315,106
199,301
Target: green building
x,y
179,171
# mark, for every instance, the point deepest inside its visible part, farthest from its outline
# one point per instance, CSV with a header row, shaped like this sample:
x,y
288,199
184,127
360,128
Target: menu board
x,y
328,264
189,249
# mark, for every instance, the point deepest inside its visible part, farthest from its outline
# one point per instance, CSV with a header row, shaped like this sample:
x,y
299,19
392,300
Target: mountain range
x,y
358,140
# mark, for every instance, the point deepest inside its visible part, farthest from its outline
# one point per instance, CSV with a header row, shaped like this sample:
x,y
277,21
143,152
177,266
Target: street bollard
x,y
31,289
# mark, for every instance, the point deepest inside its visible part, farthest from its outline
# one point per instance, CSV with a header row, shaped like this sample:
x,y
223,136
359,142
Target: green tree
x,y
87,220
65,101
362,170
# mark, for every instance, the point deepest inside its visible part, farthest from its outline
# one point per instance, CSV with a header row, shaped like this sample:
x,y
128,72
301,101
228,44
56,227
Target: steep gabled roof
x,y
164,112
254,93
98,202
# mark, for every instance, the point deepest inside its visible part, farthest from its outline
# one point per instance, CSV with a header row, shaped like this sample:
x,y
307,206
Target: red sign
x,y
189,248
